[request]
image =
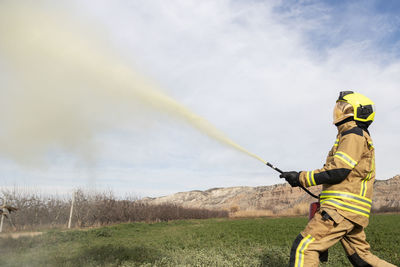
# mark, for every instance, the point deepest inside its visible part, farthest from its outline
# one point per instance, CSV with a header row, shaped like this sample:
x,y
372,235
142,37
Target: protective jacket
x,y
348,174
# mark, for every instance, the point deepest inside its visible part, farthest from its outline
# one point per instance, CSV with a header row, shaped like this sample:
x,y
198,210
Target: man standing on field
x,y
346,198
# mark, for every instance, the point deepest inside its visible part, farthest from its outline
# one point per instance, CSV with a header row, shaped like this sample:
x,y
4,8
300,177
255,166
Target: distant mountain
x,y
277,199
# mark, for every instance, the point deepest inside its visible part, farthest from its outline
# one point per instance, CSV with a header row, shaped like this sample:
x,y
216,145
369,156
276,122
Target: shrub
x,y
36,211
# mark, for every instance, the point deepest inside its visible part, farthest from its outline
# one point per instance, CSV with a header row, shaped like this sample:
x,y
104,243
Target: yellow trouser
x,y
323,232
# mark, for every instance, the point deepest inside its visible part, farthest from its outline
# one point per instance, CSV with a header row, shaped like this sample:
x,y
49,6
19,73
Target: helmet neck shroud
x,y
362,125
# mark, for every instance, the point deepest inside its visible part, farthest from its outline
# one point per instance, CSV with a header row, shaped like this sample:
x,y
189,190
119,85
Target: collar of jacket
x,y
346,126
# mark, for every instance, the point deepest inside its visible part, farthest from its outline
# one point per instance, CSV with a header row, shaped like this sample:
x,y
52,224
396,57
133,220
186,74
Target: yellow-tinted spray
x,y
64,81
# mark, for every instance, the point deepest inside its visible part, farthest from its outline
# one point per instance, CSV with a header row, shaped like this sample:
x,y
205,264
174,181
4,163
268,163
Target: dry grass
x,y
251,213
298,210
20,234
37,211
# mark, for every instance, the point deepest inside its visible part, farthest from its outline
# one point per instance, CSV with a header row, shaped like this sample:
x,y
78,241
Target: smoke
x,y
61,86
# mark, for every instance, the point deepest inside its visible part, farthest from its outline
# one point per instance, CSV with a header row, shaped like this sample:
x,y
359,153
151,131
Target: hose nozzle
x,y
273,167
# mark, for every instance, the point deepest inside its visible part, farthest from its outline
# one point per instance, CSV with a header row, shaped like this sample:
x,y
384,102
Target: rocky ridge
x,y
274,198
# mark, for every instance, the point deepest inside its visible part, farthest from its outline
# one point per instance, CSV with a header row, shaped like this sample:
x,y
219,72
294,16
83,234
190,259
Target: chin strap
x,y
344,121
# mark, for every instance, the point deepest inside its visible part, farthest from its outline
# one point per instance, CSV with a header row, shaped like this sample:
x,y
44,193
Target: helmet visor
x,y
342,111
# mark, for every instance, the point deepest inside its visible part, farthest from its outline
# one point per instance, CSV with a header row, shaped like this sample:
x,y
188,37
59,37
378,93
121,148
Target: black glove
x,y
291,177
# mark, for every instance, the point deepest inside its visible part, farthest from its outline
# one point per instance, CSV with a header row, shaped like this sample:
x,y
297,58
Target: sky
x,y
266,73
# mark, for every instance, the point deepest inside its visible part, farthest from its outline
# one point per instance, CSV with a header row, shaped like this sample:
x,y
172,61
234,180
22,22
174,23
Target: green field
x,y
211,242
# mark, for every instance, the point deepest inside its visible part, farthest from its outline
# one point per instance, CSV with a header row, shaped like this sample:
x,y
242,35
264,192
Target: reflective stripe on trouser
x,y
320,234
299,248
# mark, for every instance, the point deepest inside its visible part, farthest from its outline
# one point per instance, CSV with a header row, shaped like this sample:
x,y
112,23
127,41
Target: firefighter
x,y
347,180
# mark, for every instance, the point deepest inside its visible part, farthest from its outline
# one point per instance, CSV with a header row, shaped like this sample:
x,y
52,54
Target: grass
x,y
211,242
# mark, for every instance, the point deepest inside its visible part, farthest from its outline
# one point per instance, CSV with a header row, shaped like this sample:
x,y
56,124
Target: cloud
x,y
255,71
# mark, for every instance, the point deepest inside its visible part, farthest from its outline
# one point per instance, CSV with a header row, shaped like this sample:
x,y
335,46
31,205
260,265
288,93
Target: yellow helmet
x,y
355,105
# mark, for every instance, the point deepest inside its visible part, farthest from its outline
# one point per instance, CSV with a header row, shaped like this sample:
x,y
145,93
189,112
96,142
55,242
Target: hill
x,y
277,199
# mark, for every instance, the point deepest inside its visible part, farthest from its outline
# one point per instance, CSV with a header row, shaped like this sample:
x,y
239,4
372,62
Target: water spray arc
x,y
59,67
66,76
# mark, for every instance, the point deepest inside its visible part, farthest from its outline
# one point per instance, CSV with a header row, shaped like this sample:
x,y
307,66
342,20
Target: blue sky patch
x,y
330,24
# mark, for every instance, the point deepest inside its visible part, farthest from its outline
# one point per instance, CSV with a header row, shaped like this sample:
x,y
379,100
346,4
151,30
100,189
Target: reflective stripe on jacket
x,y
348,174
